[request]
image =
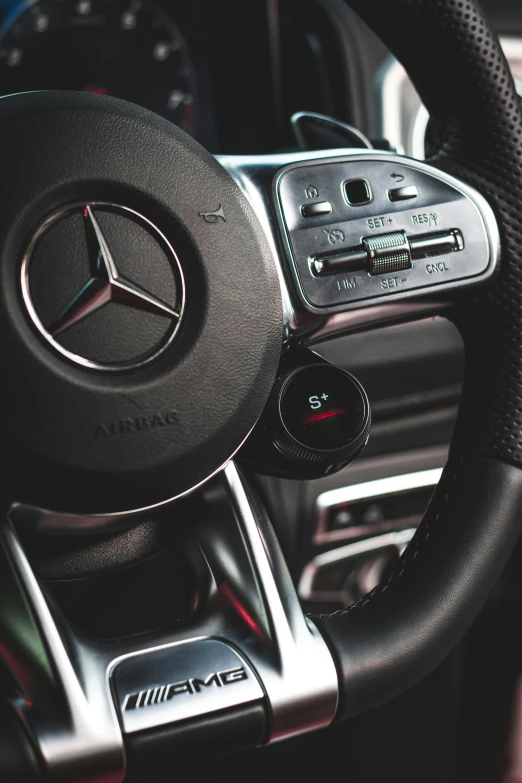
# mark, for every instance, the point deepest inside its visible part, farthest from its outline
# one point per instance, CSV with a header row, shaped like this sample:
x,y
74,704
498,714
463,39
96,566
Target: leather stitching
x,y
479,93
423,533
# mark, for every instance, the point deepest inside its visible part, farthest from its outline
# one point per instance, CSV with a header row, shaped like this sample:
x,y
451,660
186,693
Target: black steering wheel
x,y
110,412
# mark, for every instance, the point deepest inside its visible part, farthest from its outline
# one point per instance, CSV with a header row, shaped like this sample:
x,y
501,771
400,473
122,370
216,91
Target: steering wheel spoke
x,y
249,668
365,239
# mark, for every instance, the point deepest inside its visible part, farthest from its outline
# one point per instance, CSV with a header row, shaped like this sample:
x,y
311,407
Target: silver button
x,y
316,209
403,194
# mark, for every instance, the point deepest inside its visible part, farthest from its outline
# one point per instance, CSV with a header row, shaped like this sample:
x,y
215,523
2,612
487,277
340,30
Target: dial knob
x,y
319,415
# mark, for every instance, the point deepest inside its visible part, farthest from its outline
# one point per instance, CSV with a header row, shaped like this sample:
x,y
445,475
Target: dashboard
x,y
126,48
228,73
133,50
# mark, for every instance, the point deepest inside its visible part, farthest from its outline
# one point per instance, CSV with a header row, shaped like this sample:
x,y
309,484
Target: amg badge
x,y
180,682
164,693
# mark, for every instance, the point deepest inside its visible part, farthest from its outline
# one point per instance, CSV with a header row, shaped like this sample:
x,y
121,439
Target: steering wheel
x,y
109,413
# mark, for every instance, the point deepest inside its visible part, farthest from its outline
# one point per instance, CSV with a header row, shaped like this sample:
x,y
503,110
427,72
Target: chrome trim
x,y
368,490
188,661
380,487
485,214
113,278
69,680
72,720
44,520
331,123
403,118
258,176
254,174
418,133
301,681
338,324
398,539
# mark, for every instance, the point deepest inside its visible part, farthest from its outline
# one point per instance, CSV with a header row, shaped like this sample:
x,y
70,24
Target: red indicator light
x,y
324,415
188,114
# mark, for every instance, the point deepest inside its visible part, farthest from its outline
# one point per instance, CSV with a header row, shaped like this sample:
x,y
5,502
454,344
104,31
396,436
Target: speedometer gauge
x,y
126,48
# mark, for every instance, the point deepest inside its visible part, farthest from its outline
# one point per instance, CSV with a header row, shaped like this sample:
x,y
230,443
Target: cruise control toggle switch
x,y
384,254
387,253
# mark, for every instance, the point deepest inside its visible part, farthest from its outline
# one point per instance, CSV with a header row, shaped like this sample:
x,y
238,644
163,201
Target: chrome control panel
x,y
392,225
388,253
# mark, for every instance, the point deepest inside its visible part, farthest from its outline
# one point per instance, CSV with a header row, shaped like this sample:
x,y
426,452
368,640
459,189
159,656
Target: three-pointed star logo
x,y
105,285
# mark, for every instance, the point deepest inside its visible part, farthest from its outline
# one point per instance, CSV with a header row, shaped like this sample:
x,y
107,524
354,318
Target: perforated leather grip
x,y
393,638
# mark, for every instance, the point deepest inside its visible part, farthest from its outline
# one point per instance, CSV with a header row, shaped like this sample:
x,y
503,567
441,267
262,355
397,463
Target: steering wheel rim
x,y
405,627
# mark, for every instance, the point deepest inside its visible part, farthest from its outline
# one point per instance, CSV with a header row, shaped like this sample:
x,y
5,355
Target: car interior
x,y
261,407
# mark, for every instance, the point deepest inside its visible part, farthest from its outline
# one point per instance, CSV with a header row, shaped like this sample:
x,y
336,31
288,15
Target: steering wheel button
x,y
443,219
388,253
316,209
437,244
403,194
319,414
352,261
358,192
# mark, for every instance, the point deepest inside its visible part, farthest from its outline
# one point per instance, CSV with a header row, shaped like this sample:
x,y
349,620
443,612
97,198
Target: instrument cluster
x,y
131,49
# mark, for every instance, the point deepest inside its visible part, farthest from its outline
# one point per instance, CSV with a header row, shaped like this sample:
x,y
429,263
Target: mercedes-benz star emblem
x,y
105,285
